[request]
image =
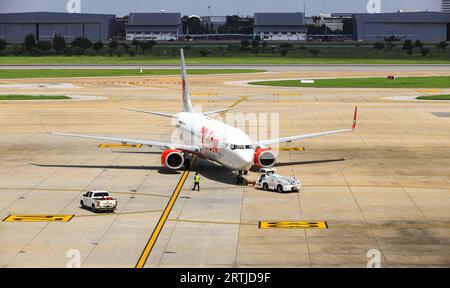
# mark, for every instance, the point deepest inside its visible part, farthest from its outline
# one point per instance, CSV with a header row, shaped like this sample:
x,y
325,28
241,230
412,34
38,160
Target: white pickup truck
x,y
98,201
269,180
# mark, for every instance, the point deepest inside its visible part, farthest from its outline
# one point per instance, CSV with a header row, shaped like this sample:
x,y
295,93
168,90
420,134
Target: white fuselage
x,y
219,142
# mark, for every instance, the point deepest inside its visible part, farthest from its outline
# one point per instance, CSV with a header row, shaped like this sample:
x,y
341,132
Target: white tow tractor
x,y
98,201
269,179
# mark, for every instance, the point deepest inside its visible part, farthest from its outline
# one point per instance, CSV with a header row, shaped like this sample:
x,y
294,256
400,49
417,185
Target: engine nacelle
x,y
264,158
173,159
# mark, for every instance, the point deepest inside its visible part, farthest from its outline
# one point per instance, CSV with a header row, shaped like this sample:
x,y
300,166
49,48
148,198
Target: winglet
x,y
354,118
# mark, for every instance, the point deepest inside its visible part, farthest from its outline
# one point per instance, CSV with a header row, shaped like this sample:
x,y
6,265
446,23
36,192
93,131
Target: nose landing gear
x,y
241,179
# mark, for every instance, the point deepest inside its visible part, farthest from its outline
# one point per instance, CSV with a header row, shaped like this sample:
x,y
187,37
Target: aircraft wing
x,y
306,136
183,147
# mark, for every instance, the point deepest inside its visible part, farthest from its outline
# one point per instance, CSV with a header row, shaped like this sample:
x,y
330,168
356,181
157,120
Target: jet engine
x,y
264,158
173,159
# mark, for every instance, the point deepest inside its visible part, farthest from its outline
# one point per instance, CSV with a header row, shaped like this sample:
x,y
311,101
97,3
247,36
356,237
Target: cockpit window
x,y
234,146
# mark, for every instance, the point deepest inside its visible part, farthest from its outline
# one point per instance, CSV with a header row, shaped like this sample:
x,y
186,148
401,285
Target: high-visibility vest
x,y
197,178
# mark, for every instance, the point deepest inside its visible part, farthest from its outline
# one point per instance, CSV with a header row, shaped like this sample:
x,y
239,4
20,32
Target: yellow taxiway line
x,y
151,242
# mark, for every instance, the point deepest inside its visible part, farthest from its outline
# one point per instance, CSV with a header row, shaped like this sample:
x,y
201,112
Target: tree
x,y
125,46
287,46
44,45
82,43
30,42
98,46
314,52
113,44
59,43
378,46
255,43
425,51
255,50
408,45
284,52
204,52
418,44
136,43
3,44
264,45
390,44
245,43
442,45
120,51
147,45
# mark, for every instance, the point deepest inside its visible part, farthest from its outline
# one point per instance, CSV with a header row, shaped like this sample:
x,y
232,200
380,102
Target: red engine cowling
x,y
264,158
173,159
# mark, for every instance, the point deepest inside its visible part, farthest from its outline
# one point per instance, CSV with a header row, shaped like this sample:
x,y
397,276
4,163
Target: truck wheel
x,y
93,208
280,188
81,204
266,187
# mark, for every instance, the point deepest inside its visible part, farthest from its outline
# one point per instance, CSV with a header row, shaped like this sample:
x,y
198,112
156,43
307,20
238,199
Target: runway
x,y
386,186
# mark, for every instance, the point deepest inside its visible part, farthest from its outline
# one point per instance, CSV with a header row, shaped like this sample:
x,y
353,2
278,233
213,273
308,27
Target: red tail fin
x,y
354,117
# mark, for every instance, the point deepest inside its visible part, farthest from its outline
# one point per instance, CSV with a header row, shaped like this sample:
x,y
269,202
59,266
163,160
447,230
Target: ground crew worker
x,y
196,182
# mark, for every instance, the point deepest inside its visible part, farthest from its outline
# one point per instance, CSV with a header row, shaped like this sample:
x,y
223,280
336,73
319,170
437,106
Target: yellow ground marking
x,y
39,218
115,145
151,242
290,149
429,91
242,99
293,224
286,94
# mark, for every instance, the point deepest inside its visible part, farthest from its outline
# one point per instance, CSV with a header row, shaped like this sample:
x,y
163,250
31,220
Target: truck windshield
x,y
101,194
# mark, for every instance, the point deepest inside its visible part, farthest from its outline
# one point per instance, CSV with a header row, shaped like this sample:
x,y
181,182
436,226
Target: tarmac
x,y
385,186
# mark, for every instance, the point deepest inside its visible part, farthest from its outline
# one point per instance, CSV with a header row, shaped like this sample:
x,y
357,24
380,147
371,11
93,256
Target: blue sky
x,y
200,7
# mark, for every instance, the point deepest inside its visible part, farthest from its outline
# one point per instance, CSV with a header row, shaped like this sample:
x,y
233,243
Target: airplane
x,y
211,139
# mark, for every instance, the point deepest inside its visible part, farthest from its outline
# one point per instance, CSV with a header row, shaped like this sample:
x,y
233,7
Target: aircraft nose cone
x,y
245,159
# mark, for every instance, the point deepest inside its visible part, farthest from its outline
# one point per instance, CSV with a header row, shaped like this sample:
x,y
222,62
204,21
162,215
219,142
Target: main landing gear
x,y
241,179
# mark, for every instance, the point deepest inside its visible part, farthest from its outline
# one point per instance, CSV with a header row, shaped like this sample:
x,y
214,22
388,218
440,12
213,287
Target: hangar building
x,y
425,26
280,26
154,26
14,27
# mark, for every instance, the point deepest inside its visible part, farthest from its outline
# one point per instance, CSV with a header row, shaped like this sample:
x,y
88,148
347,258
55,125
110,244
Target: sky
x,y
222,7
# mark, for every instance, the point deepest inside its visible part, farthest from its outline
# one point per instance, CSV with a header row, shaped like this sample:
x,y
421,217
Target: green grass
x,y
401,82
30,97
213,60
56,73
328,55
434,97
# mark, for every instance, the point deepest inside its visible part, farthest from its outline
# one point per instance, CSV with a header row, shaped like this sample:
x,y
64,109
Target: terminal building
x,y
153,26
445,5
425,26
14,27
280,26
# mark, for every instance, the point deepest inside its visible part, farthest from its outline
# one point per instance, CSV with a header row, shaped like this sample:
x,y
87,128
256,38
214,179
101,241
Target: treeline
x,y
79,46
409,46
